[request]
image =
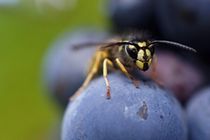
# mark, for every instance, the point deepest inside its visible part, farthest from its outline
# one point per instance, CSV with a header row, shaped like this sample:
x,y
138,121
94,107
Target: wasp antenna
x,y
173,44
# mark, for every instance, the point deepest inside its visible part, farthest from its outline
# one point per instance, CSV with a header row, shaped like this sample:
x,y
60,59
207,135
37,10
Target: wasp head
x,y
142,54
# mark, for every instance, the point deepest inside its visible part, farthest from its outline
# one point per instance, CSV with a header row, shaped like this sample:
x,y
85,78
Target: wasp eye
x,y
132,51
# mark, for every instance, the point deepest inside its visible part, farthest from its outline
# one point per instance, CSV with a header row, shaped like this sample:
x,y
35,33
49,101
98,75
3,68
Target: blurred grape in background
x,y
131,15
65,68
187,22
198,116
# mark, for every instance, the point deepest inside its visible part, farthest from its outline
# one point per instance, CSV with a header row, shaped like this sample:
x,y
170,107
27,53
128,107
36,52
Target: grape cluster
x,y
179,111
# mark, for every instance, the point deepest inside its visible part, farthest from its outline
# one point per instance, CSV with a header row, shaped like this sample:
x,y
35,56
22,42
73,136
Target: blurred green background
x,y
27,28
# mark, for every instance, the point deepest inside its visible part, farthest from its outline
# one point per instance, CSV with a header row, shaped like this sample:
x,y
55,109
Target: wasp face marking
x,y
148,53
144,56
142,44
141,65
141,53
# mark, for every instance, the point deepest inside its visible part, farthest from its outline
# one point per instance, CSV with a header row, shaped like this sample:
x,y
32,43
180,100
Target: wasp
x,y
133,51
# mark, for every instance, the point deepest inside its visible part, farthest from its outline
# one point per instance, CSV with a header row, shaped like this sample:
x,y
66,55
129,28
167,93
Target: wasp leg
x,y
123,69
93,70
105,73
